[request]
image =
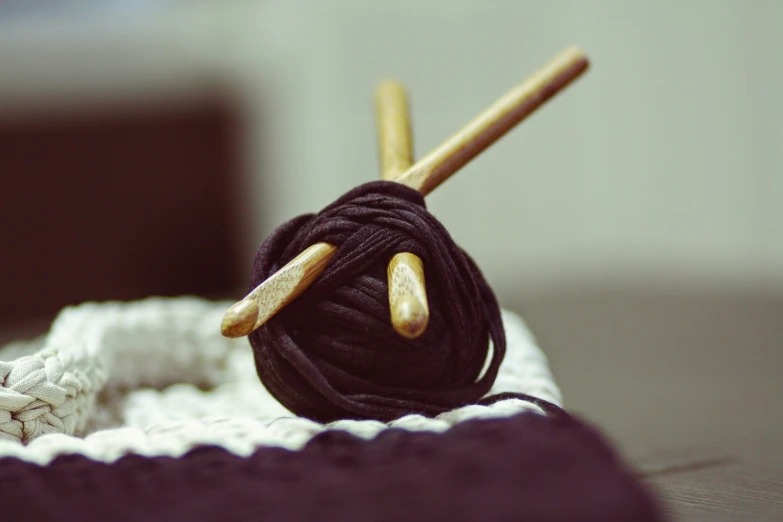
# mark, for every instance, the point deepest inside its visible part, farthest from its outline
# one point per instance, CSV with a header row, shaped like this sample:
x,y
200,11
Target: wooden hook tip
x,y
578,57
240,319
410,317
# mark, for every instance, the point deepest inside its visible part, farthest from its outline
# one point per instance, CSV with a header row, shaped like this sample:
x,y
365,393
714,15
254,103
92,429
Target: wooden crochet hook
x,y
289,282
410,312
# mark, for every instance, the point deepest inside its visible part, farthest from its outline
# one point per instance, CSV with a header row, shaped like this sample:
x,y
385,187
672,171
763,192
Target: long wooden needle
x,y
285,285
407,290
521,101
277,291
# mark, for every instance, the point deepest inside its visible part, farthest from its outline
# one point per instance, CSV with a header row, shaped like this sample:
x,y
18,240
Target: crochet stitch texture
x,y
155,377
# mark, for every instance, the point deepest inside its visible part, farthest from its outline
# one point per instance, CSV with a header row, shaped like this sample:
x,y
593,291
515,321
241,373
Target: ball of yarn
x,y
333,353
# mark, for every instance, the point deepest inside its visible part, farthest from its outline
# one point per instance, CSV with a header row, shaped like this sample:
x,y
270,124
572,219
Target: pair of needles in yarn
x,y
409,310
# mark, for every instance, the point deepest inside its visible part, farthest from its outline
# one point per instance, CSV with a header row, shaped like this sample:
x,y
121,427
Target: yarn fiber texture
x,y
156,377
527,467
333,353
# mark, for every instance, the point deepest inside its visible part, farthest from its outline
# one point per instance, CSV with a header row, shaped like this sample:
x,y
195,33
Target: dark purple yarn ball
x,y
333,353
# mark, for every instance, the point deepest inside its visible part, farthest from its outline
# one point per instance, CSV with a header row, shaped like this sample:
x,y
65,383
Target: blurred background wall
x,y
663,163
636,217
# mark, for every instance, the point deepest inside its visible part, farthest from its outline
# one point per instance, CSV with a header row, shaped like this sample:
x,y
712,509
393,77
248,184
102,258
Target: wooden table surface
x,y
688,385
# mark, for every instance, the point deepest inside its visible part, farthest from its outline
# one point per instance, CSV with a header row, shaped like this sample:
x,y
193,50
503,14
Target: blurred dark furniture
x,y
118,203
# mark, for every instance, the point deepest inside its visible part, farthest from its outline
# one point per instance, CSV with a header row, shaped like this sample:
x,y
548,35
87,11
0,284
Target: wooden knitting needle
x,y
285,285
407,291
277,291
521,101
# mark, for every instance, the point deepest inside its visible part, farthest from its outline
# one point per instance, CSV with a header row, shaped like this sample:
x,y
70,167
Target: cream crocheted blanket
x,y
155,377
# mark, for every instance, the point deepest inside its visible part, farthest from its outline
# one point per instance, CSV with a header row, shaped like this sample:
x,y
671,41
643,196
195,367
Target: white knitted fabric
x,y
155,377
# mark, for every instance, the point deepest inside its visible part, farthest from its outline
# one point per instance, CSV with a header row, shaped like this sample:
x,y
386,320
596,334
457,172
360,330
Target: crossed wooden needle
x,y
407,295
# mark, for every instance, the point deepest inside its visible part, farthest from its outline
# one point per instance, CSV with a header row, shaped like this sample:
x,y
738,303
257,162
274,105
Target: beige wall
x,y
663,164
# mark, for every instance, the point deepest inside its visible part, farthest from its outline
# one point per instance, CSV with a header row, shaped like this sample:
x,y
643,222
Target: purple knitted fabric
x,y
528,467
333,354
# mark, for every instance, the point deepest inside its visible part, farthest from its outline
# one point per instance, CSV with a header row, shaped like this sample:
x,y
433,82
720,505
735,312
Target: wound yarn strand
x,y
333,353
